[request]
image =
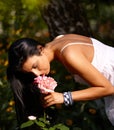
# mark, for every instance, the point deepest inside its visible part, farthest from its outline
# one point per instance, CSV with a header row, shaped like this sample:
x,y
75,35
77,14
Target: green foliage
x,y
44,124
22,18
27,124
34,4
7,112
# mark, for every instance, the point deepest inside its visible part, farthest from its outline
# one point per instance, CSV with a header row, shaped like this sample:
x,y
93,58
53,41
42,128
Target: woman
x,y
90,61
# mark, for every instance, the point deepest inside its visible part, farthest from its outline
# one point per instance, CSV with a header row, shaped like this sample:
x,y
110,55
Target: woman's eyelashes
x,y
34,66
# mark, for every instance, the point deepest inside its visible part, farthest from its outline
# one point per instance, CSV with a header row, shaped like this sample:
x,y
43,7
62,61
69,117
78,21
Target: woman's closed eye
x,y
34,66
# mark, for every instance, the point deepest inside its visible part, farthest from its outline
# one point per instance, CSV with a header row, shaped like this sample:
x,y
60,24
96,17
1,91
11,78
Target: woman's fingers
x,y
53,98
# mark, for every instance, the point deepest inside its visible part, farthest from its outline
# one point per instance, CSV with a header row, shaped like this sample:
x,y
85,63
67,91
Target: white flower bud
x,y
32,117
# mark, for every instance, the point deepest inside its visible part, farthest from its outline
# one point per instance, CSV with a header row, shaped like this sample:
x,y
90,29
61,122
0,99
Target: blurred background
x,y
43,20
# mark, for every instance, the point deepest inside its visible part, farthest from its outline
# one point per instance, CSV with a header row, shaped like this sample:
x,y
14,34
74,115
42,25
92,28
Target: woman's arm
x,y
76,62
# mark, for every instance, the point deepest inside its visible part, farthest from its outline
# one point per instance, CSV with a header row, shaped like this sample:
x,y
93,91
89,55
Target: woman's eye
x,y
34,67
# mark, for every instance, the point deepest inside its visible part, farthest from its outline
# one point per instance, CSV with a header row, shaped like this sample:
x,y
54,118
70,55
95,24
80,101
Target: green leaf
x,y
39,123
27,124
61,127
44,121
45,129
64,128
51,128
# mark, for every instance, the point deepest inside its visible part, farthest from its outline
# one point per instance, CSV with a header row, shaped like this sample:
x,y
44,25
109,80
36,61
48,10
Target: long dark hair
x,y
27,100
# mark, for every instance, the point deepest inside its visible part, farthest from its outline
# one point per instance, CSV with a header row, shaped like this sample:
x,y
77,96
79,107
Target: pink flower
x,y
45,84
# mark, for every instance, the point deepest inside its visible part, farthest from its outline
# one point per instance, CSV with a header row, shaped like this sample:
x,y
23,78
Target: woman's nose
x,y
37,73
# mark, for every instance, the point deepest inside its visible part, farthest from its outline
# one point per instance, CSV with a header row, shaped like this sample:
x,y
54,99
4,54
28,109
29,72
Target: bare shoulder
x,y
72,58
72,52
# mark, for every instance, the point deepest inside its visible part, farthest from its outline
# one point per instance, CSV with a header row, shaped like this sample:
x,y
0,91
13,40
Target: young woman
x,y
90,61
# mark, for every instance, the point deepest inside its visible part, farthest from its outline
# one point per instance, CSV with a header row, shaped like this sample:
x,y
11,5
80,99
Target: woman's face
x,y
39,65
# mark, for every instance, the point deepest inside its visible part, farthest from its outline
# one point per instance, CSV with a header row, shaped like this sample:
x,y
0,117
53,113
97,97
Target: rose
x,y
45,84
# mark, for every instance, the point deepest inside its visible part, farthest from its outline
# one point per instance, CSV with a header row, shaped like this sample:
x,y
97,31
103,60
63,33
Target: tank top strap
x,y
75,43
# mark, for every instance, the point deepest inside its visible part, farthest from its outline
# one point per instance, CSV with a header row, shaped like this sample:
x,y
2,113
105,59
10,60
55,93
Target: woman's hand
x,y
53,98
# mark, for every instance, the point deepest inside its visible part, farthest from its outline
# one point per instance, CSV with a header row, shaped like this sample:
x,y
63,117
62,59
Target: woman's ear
x,y
40,48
